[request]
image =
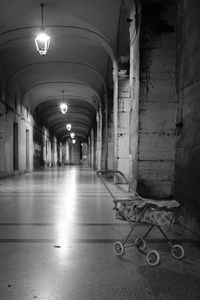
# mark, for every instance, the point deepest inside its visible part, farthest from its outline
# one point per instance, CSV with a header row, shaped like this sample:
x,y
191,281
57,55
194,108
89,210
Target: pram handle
x,y
99,174
105,172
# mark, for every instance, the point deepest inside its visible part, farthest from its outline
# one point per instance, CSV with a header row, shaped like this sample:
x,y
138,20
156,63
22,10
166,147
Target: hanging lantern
x,y
42,41
72,135
69,126
63,106
73,141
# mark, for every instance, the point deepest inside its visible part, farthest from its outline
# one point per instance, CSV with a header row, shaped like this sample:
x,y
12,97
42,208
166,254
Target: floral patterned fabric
x,y
144,211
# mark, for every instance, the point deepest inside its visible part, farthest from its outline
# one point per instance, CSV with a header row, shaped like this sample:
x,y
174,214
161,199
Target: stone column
x,y
134,95
91,149
99,140
104,158
115,116
123,126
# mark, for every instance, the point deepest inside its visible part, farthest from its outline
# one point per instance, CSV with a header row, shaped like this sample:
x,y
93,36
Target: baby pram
x,y
137,210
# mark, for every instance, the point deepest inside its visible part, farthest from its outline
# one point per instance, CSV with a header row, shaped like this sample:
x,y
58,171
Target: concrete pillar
x,y
110,155
106,132
115,116
134,94
53,152
2,140
59,150
99,140
65,152
158,104
123,126
187,163
92,147
104,159
89,151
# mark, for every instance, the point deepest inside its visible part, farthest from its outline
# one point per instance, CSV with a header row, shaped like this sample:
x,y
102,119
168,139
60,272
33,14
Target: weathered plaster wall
x,y
187,168
2,138
123,125
98,150
91,149
54,153
104,157
39,156
158,101
134,31
34,146
8,117
110,158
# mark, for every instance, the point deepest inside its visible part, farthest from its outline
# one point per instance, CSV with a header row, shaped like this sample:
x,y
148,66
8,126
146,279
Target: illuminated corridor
x,y
88,87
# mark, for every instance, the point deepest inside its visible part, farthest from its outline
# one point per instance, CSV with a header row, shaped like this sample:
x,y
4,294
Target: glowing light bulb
x,y
63,108
68,126
42,42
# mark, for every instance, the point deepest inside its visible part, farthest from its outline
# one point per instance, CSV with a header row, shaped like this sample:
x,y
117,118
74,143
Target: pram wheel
x,y
177,251
118,248
152,258
140,243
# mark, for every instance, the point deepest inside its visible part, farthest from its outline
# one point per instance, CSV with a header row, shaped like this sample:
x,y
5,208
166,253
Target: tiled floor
x,y
57,228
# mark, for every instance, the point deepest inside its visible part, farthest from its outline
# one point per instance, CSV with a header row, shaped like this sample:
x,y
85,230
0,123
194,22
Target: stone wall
x,y
158,101
123,125
110,159
33,142
9,116
134,31
187,167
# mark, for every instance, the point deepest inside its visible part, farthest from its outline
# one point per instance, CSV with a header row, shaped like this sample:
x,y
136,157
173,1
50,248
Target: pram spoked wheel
x,y
118,248
177,251
152,257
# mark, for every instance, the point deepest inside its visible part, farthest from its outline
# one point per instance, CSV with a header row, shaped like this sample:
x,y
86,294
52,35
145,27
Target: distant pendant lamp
x,y
63,106
73,141
42,40
69,126
72,135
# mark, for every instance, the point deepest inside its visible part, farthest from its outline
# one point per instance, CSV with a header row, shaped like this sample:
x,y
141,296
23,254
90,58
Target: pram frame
x,y
152,256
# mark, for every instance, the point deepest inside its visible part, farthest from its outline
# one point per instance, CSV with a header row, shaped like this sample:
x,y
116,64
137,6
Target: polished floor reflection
x,y
57,228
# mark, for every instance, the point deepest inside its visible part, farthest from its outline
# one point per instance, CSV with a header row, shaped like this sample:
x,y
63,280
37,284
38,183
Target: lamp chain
x,y
42,15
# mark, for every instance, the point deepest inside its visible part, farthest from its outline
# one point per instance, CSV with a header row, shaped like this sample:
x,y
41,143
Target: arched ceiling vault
x,y
83,48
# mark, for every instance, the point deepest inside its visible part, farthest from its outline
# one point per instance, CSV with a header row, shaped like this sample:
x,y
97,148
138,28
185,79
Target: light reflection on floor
x,y
57,228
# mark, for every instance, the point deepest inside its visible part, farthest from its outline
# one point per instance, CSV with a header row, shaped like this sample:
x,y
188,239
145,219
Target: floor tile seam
x,y
87,241
14,194
67,224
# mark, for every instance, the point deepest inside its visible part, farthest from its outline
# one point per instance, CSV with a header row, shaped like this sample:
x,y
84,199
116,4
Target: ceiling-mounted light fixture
x,y
72,135
73,141
69,126
63,106
42,40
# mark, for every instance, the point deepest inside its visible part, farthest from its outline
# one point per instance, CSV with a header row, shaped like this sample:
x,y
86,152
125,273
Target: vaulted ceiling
x,y
84,40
